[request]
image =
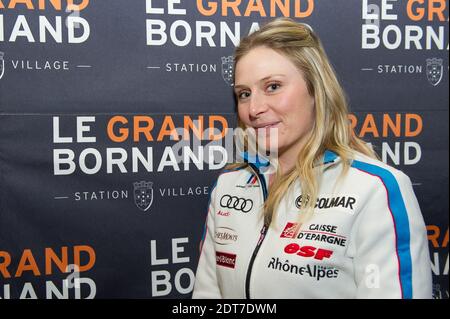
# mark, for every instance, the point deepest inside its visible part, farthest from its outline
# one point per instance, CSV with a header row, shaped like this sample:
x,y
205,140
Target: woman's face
x,y
272,93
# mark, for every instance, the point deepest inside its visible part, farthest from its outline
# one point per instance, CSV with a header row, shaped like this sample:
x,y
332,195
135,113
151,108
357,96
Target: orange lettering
x,y
168,129
55,3
27,263
369,126
77,250
255,5
388,123
4,264
51,257
233,5
28,3
123,131
283,6
408,119
221,119
445,241
419,12
2,6
353,120
307,13
188,124
138,129
439,11
212,8
433,238
77,7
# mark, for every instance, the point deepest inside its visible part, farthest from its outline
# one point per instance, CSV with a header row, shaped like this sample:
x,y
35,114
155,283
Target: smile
x,y
267,125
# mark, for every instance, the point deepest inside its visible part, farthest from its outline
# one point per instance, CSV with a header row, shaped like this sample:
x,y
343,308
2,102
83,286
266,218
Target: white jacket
x,y
366,239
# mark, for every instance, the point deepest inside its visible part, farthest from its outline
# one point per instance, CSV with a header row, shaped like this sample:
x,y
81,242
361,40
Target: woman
x,y
333,221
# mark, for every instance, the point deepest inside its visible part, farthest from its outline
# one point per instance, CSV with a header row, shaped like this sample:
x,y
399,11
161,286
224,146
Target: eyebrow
x,y
238,86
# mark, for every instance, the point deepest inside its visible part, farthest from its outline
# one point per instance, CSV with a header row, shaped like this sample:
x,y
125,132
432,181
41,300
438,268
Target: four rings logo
x,y
240,204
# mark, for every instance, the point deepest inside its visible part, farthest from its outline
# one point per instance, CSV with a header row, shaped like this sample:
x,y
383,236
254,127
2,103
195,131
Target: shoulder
x,y
372,169
373,178
234,177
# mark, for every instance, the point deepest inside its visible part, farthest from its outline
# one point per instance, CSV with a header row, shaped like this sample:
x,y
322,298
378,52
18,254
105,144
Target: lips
x,y
266,125
267,129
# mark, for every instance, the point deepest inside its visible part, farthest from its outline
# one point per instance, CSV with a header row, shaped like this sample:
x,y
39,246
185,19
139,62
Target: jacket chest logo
x,y
225,236
346,203
321,233
241,204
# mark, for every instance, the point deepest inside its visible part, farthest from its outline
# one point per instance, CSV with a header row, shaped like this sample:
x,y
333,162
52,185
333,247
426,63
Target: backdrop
x,y
93,174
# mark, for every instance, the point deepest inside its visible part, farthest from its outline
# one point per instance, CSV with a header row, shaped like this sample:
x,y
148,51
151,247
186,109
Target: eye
x,y
273,87
242,95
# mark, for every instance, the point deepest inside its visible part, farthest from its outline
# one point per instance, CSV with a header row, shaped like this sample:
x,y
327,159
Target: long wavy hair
x,y
331,130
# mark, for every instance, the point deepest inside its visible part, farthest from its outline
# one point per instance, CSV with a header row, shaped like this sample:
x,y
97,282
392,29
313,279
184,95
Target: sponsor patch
x,y
225,236
290,231
343,203
226,260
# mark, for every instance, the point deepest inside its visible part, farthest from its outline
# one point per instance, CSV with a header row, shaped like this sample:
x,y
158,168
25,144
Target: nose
x,y
258,106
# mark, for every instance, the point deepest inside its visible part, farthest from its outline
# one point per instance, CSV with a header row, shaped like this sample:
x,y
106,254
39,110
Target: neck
x,y
287,163
287,156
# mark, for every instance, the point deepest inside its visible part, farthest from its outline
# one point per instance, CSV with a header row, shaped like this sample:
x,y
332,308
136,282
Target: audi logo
x,y
239,204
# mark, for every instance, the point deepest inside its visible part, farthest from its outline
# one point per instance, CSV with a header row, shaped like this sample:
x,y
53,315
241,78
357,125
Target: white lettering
x,y
97,164
21,29
153,255
75,23
177,249
81,128
58,161
56,135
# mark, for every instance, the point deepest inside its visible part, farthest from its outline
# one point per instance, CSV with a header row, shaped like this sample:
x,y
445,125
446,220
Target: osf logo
x,y
308,251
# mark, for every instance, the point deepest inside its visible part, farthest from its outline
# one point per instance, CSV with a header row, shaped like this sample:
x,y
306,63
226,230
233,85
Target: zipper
x,y
263,233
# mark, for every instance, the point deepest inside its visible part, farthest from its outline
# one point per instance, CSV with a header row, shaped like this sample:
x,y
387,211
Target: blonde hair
x,y
331,130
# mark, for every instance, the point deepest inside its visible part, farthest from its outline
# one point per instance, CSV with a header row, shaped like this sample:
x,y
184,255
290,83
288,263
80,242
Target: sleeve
x,y
206,285
391,256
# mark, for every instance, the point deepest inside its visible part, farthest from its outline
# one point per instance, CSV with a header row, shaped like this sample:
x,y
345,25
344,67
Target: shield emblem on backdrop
x,y
228,69
143,195
435,71
2,64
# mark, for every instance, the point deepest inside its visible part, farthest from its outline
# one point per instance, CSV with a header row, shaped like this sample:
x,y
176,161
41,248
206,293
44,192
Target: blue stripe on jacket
x,y
401,222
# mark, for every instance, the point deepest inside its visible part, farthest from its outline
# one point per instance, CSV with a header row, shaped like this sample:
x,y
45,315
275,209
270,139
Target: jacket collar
x,y
329,157
257,161
260,162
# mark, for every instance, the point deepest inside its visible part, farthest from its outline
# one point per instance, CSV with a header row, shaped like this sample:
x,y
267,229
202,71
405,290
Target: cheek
x,y
310,114
302,117
305,120
243,114
291,105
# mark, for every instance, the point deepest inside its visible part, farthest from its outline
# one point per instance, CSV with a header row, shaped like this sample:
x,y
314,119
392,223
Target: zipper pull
x,y
263,230
263,234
